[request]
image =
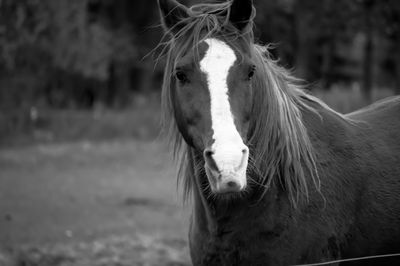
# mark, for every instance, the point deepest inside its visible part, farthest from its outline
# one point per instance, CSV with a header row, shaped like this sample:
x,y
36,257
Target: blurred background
x,y
84,179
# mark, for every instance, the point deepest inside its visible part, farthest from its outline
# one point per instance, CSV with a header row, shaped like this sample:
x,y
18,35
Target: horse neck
x,y
326,126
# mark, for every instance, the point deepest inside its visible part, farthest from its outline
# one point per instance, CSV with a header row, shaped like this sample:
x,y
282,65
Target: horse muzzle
x,y
226,168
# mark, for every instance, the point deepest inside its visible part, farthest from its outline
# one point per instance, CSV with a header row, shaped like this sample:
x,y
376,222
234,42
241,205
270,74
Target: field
x,y
96,187
84,203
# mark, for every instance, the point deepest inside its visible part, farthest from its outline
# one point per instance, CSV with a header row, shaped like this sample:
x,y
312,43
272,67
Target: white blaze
x,y
228,144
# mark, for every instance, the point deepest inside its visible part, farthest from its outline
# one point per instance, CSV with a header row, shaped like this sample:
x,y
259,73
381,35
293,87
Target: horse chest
x,y
213,250
250,246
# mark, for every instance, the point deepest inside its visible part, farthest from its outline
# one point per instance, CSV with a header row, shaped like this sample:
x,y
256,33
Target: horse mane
x,y
280,147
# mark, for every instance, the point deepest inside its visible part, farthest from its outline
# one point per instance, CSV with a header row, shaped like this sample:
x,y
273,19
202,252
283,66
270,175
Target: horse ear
x,y
240,13
172,13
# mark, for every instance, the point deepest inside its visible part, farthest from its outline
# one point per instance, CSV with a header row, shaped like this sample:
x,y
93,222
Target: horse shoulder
x,y
359,158
377,143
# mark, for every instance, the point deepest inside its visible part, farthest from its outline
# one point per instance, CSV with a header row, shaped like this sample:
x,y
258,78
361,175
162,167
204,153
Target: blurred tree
x,y
24,41
368,13
88,46
389,14
92,48
309,35
70,53
274,25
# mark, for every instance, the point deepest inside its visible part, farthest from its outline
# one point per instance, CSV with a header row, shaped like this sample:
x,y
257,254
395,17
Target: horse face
x,y
212,98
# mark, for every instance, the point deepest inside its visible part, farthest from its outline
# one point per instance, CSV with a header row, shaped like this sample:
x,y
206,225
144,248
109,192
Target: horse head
x,y
210,78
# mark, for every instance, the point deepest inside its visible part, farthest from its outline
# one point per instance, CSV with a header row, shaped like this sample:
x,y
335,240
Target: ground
x,y
91,203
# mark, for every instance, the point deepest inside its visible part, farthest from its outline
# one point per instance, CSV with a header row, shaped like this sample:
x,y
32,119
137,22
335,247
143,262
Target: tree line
x,y
78,53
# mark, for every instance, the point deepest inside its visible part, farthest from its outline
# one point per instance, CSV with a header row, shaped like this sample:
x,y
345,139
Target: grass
x,y
43,125
90,203
111,251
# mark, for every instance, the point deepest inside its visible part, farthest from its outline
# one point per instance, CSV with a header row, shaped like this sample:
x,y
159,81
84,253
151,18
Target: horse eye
x,y
251,74
252,71
181,76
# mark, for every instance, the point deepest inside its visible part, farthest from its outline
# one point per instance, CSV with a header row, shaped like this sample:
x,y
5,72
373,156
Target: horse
x,y
274,176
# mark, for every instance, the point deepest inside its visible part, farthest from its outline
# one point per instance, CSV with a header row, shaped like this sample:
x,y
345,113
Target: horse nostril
x,y
208,157
231,184
245,155
208,153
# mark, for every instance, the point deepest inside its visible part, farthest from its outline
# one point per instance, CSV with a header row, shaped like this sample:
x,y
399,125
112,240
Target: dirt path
x,y
90,197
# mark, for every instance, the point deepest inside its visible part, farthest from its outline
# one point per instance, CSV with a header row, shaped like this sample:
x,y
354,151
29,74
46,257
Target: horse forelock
x,y
279,143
